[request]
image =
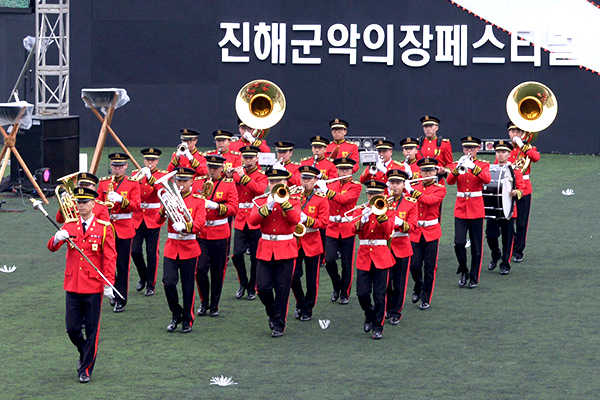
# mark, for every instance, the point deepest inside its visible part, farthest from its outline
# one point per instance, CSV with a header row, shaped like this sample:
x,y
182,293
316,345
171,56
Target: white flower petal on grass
x,y
222,381
324,323
8,270
568,192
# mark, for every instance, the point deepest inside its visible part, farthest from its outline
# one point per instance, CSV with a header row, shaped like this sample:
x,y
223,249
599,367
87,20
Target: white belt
x,y
178,236
276,238
373,242
469,194
215,222
399,234
245,205
120,216
338,218
149,205
526,177
309,230
429,222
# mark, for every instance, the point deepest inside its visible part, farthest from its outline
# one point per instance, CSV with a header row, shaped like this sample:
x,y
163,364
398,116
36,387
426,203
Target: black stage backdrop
x,y
167,55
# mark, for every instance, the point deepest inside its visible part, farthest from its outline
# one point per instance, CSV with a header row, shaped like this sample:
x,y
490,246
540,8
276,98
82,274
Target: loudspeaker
x,y
51,142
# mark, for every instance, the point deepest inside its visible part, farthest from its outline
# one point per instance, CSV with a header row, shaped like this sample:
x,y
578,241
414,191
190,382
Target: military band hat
x,y
374,187
184,173
338,123
319,141
344,162
284,146
222,134
429,120
384,144
188,134
214,161
241,123
409,142
503,145
151,152
470,141
118,158
249,151
87,178
427,164
308,171
277,174
510,125
396,175
81,193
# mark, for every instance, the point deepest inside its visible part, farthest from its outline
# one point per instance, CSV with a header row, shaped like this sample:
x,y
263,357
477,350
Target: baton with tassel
x,y
37,205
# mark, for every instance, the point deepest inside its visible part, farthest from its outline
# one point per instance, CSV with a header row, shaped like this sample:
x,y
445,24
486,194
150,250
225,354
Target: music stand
x,y
16,114
108,100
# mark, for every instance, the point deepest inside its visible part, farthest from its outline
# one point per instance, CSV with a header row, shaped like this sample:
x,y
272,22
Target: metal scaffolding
x,y
52,57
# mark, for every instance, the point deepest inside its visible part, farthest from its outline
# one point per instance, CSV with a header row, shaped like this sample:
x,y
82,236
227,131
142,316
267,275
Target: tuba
x,y
260,104
64,195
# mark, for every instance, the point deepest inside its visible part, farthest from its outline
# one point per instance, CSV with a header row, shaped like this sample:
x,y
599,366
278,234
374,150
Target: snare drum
x,y
497,200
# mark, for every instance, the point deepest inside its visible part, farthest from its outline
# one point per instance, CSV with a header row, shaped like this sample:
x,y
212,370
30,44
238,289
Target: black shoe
x,y
240,292
387,315
344,300
297,313
172,325
271,324
276,333
201,311
251,296
140,286
305,317
84,378
377,335
186,327
395,320
113,301
504,271
462,281
334,296
415,297
119,308
518,258
472,285
149,292
492,265
424,305
214,313
367,326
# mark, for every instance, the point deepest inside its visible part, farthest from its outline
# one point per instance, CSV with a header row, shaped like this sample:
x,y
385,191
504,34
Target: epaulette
x,y
410,199
357,182
484,161
445,140
102,222
227,179
237,153
439,185
130,179
134,171
329,159
320,194
261,171
105,178
197,196
306,158
294,163
200,177
163,171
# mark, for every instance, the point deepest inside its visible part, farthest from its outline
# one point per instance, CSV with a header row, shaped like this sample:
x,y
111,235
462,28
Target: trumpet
x,y
378,205
460,167
64,195
183,146
300,230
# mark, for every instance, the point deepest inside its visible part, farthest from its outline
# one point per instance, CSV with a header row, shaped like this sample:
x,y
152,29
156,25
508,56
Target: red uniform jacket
x,y
443,153
406,209
472,181
121,214
225,193
260,143
327,168
281,221
377,228
185,249
345,149
292,168
379,176
316,207
414,168
198,164
533,155
252,184
233,159
100,211
149,202
429,198
342,195
98,243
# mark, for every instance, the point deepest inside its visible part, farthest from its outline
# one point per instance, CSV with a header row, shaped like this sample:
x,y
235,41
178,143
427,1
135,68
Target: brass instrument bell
x,y
260,104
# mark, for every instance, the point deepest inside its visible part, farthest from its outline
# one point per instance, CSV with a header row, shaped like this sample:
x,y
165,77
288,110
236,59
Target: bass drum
x,y
497,200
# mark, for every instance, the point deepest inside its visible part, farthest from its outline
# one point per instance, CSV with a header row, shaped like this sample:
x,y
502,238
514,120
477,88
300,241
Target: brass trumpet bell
x,y
280,193
378,204
260,104
531,106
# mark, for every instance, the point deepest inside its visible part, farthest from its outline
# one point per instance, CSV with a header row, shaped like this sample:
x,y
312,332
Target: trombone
x,y
378,205
281,193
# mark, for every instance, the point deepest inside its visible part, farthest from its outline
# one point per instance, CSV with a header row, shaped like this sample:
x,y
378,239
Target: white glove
x,y
408,170
381,167
303,217
248,136
518,141
408,187
462,159
188,154
108,292
61,235
279,166
321,185
270,202
179,152
365,218
211,205
179,226
469,164
147,172
398,221
115,197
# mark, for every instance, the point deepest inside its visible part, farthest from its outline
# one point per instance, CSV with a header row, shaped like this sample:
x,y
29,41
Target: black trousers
x,y
396,289
423,266
306,302
342,284
493,230
84,309
172,271
123,247
147,272
475,229
213,259
245,239
521,224
275,276
375,282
